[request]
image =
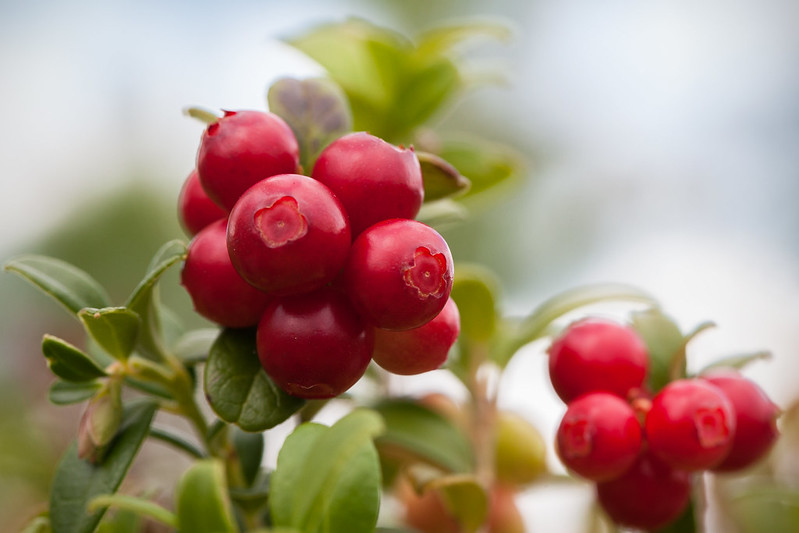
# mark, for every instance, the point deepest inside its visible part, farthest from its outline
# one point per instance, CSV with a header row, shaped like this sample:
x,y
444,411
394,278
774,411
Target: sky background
x,y
663,139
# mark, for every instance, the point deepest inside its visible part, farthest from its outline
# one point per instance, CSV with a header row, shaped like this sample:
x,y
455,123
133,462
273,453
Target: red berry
x,y
195,209
217,291
599,437
241,149
287,234
314,345
374,180
648,496
421,349
755,420
399,274
597,355
691,424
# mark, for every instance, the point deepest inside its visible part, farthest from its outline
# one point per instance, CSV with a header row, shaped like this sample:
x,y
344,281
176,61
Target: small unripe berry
x,y
599,437
313,345
597,355
691,424
418,350
288,234
519,450
648,496
216,289
242,148
755,420
399,274
374,180
195,209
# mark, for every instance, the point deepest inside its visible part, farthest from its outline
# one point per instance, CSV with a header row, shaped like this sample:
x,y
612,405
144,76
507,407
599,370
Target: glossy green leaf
x,y
250,449
488,166
429,83
70,286
442,213
537,324
68,362
67,393
115,329
100,421
474,289
317,111
77,481
203,505
239,390
441,179
415,433
328,479
138,506
143,300
665,343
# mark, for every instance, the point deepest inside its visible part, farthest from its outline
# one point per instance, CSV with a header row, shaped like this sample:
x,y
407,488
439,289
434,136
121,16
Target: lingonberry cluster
x,y
640,448
331,268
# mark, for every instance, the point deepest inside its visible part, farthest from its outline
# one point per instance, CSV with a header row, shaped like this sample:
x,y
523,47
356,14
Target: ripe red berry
x,y
399,274
599,437
374,180
314,345
755,420
597,355
217,291
648,496
691,424
421,349
242,148
195,209
287,234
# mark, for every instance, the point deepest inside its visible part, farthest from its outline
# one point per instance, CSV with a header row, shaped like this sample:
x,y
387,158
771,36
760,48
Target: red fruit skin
x,y
241,149
755,420
418,350
217,291
648,496
599,437
314,345
195,209
399,274
374,180
288,234
691,425
597,355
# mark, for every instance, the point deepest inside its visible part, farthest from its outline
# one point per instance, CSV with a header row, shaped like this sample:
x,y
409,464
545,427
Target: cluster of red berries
x,y
331,268
641,449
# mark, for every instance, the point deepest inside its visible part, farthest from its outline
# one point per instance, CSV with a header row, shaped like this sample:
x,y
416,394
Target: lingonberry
x,y
287,234
599,437
217,291
648,496
242,148
399,274
520,453
313,345
195,209
374,180
418,350
691,424
597,355
755,419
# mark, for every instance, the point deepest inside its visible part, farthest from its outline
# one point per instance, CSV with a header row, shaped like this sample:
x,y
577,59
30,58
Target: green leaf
x,y
665,343
474,289
443,39
143,300
203,505
537,324
194,346
463,495
68,362
441,179
77,481
71,287
239,390
250,449
427,86
40,524
737,362
415,433
139,506
328,479
67,393
442,213
115,329
317,111
489,166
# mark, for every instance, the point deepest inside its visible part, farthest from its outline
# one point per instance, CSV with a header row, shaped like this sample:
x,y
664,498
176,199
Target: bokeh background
x,y
662,141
